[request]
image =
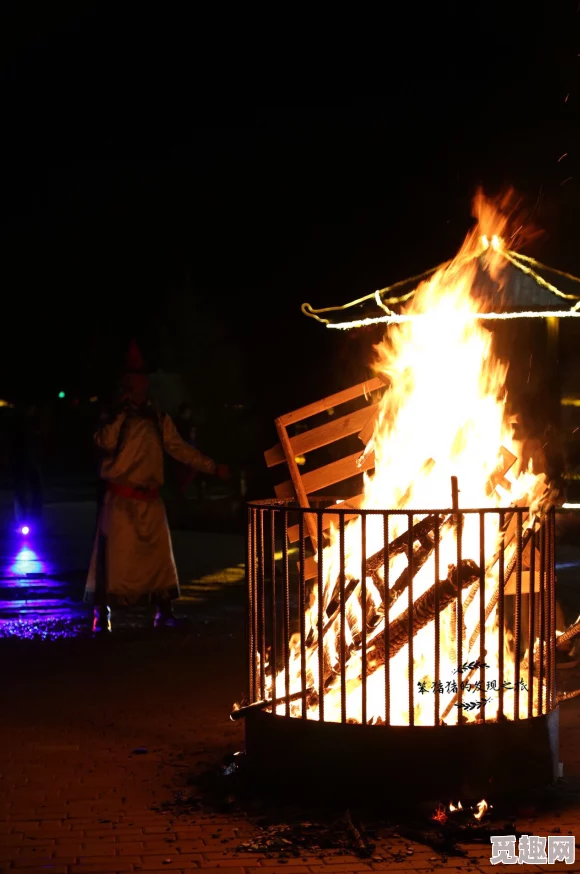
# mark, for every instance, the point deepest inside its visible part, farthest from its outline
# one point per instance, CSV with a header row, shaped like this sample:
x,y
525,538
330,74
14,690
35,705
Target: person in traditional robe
x,y
132,558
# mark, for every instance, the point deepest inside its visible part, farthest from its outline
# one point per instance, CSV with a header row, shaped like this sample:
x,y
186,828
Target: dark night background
x,y
190,180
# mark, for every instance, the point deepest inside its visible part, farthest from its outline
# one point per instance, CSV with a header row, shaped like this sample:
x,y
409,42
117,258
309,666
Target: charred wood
x,y
401,544
424,610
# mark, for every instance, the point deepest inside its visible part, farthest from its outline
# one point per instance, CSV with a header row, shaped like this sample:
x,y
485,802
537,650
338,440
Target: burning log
x,y
423,612
567,696
570,634
421,531
562,644
257,706
400,544
421,554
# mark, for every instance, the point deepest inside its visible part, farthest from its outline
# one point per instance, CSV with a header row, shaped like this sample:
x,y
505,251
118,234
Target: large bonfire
x,y
443,415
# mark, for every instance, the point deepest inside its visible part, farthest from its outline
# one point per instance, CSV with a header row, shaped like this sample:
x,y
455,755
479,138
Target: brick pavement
x,y
75,797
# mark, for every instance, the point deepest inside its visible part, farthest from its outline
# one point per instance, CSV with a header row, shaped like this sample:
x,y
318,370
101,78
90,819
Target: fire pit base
x,y
401,762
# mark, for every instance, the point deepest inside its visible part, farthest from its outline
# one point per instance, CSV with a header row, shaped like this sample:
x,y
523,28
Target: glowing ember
x,y
443,415
440,814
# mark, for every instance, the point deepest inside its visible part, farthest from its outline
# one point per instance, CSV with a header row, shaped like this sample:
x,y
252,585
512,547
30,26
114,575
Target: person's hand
x,y
222,472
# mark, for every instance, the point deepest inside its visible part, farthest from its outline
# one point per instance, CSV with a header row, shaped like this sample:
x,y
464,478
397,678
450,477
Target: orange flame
x,y
482,808
443,415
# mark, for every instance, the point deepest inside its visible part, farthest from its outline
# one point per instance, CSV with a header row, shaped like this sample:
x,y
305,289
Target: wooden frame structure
x,y
301,486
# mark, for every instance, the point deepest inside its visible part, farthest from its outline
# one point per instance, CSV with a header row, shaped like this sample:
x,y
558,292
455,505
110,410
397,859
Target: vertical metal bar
x,y
532,625
552,574
342,622
262,603
547,616
459,599
256,616
517,615
410,668
286,612
542,617
302,613
274,629
251,610
501,617
363,590
320,549
482,564
386,609
437,621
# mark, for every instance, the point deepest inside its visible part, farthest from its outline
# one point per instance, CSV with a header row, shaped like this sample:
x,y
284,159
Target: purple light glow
x,y
27,562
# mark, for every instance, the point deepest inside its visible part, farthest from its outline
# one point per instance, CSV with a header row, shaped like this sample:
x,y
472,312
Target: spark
x,y
565,155
566,180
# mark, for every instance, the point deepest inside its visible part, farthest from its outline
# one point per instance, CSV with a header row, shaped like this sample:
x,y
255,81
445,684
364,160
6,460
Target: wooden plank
x,y
285,489
297,482
328,475
294,530
341,397
331,431
354,502
310,568
369,428
510,588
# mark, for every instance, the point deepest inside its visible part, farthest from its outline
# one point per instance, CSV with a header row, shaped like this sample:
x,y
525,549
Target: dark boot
x,y
101,619
164,617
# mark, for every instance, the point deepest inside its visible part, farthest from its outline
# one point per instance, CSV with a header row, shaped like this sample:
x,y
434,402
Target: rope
x,y
309,310
398,319
514,258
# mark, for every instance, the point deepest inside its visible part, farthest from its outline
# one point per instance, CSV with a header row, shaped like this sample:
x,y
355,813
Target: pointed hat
x,y
134,362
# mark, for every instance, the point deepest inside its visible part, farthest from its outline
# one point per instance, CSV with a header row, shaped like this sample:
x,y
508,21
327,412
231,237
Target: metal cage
x,y
296,697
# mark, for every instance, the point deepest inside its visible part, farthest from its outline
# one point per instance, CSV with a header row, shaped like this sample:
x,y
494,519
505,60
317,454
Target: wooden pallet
x,y
301,486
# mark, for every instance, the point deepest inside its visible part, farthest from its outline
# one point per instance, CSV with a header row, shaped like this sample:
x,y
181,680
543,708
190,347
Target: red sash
x,y
137,494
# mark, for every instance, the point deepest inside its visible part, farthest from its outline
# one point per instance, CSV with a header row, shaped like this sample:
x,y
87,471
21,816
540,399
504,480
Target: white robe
x,y
133,541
